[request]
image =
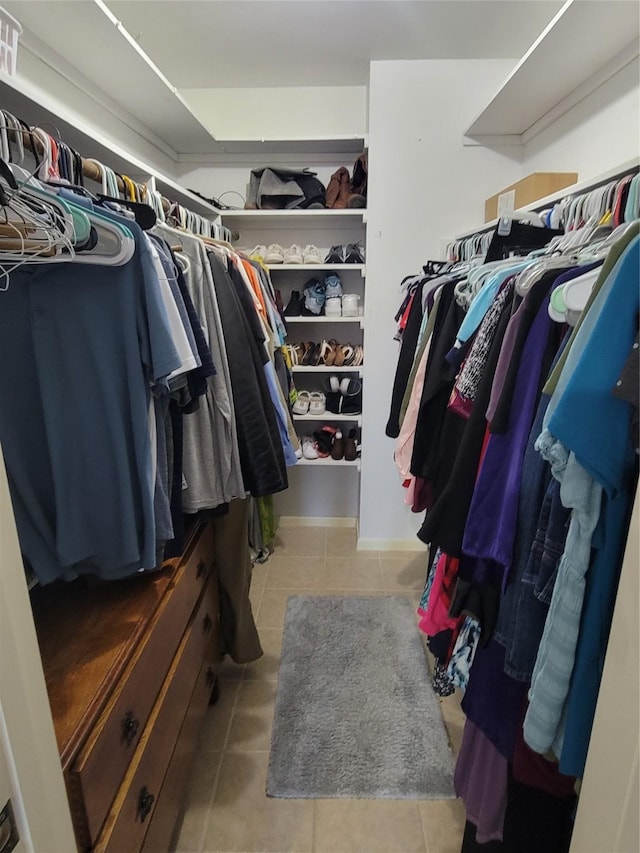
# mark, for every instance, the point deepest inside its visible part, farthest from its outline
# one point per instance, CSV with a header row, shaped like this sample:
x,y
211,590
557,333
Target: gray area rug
x,y
355,712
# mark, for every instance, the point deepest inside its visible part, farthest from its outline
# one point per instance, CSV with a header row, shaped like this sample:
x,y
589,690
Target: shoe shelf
x,y
330,463
359,320
329,416
322,368
318,267
290,218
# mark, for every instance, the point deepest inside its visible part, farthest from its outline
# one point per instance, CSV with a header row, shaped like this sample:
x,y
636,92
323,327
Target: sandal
x,y
310,348
317,403
330,358
291,352
349,354
302,403
325,353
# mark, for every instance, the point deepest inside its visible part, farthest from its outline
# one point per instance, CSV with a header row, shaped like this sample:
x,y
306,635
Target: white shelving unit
x,y
321,368
359,320
552,77
316,219
318,267
330,463
314,494
330,416
23,100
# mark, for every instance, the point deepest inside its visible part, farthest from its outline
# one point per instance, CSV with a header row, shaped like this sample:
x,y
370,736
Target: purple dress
x,y
491,525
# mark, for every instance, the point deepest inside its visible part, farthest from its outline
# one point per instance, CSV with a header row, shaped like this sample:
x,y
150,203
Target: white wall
x,y
598,134
423,186
277,113
27,738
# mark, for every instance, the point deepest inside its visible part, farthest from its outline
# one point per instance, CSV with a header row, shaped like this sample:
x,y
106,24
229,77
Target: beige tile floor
x,y
227,809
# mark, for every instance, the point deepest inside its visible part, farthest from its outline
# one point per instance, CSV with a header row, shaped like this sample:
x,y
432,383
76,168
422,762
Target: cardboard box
x,y
529,189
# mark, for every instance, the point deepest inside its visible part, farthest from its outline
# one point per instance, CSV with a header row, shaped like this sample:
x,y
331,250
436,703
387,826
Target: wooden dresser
x,y
130,668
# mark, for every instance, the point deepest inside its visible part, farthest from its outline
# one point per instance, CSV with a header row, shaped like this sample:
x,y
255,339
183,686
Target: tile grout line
x,y
214,787
425,837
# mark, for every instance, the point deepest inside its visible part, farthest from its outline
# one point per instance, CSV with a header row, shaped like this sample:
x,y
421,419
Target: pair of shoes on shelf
x,y
294,306
343,395
309,403
318,445
345,448
352,356
276,254
328,353
318,295
342,306
314,298
353,253
343,191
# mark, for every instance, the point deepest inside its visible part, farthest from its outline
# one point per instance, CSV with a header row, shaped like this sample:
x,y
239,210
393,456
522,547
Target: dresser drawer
x,y
101,763
170,803
134,805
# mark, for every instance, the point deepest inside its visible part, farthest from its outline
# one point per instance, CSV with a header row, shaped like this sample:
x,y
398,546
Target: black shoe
x,y
335,255
353,254
351,446
295,305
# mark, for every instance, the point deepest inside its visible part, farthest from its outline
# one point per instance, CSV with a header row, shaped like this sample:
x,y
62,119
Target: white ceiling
x,y
256,43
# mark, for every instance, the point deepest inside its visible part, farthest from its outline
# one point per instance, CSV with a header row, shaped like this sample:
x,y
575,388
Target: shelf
x,y
329,416
583,47
320,145
329,463
359,320
36,107
550,200
288,218
317,267
321,368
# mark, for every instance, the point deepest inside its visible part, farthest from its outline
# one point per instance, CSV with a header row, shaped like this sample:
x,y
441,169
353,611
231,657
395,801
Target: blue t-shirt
x,y
83,345
586,418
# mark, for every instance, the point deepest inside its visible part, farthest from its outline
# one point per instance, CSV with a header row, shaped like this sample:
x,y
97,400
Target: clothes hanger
x,y
145,215
115,243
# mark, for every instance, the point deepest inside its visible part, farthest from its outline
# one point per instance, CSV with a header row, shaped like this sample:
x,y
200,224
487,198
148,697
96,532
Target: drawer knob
x,y
145,802
201,569
207,624
130,726
211,677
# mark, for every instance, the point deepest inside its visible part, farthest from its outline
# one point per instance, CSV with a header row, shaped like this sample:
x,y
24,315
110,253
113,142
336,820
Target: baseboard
x,y
391,545
316,521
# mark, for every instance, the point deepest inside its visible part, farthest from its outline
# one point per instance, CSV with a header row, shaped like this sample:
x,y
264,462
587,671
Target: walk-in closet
x,y
319,426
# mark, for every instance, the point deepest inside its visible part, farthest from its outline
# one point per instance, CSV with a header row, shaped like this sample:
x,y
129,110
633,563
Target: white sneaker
x,y
293,255
311,255
332,306
275,254
350,305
